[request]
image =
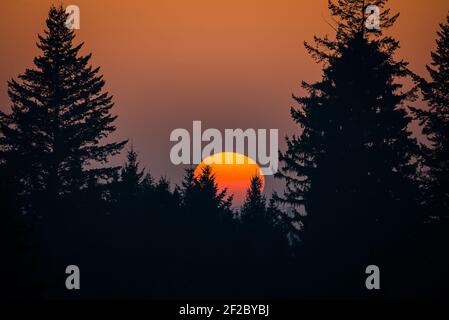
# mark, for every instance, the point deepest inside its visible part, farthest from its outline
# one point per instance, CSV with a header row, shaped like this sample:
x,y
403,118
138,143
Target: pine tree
x,y
436,126
256,227
166,200
207,233
201,193
263,246
287,223
132,178
351,167
255,203
59,116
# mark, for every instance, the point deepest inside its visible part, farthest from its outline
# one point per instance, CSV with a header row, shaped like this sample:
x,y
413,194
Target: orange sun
x,y
233,171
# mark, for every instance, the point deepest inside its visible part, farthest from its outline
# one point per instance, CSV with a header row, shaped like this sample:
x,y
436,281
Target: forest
x,y
360,189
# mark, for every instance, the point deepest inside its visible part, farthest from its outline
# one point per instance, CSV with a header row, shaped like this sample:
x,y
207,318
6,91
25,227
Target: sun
x,y
233,171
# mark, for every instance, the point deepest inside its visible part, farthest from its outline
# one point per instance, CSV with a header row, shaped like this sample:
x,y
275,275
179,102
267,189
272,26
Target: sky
x,y
228,63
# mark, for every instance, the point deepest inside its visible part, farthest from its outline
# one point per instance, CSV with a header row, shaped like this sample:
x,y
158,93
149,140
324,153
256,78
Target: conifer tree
x,y
201,193
59,116
351,165
132,178
256,228
207,228
255,203
435,121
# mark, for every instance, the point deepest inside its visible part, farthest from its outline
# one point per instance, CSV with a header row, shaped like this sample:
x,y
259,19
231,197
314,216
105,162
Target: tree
x,y
201,194
256,230
255,203
59,115
207,234
435,122
435,195
352,165
256,227
132,178
132,189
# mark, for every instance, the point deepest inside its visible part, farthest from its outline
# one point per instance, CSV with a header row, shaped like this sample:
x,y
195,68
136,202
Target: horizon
x,y
166,63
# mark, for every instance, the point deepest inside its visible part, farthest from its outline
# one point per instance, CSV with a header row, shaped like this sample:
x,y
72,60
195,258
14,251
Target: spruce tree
x,y
207,233
351,166
132,178
201,194
256,228
435,121
59,116
132,189
255,203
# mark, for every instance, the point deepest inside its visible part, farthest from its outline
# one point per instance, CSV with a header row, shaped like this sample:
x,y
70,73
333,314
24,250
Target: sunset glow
x,y
232,175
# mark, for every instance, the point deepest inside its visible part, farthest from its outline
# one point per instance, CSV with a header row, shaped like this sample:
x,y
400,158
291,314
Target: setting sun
x,y
232,171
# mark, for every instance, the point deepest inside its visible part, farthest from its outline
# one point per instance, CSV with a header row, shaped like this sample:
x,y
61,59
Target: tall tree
x,y
132,189
351,166
207,233
435,192
201,193
59,116
435,121
255,203
133,179
256,226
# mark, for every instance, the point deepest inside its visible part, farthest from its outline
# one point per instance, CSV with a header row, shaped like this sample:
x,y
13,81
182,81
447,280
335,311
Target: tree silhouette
x,y
262,240
255,202
133,181
208,231
352,167
435,122
59,117
202,192
256,228
351,185
130,174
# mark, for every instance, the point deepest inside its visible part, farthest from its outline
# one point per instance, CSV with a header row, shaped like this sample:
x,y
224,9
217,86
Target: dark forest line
x,y
359,188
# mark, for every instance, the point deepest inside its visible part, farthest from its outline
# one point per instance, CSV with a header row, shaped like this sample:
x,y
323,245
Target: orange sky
x,y
233,174
228,63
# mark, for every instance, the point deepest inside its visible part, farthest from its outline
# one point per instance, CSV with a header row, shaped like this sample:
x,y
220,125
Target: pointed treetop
x,y
351,18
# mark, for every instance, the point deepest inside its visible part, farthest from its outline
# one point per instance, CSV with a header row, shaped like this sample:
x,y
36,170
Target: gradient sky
x,y
228,63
